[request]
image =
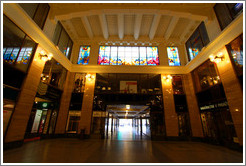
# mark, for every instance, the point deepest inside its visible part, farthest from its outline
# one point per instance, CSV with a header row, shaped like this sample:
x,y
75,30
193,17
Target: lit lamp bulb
x,y
211,57
167,78
50,56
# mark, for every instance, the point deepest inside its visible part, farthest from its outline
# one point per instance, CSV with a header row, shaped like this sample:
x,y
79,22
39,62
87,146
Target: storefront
x,y
45,108
218,127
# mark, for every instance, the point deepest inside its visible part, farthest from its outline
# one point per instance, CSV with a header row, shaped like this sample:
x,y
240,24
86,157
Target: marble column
x,y
171,119
194,113
64,104
233,92
87,104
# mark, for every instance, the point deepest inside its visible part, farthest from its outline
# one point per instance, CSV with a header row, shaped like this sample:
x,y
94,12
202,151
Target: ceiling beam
x,y
186,30
171,27
196,15
73,30
87,26
137,26
121,26
104,26
154,26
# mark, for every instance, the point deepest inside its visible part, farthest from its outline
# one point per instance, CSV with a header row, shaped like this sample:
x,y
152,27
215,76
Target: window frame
x,y
79,54
124,52
178,56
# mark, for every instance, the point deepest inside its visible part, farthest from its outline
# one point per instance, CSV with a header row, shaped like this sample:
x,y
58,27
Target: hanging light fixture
x,y
167,78
217,58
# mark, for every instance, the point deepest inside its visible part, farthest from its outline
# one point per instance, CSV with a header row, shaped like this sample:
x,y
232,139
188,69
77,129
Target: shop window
x,y
173,56
62,40
84,55
37,11
128,83
235,50
18,48
42,119
73,121
54,74
79,83
197,41
120,55
177,85
206,76
227,12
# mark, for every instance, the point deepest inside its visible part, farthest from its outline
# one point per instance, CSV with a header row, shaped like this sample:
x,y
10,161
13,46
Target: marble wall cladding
x,y
87,105
195,119
233,92
171,119
21,114
64,104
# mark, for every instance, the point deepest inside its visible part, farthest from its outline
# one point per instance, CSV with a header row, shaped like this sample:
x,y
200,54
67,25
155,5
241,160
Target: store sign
x,y
99,114
207,107
128,86
224,104
214,106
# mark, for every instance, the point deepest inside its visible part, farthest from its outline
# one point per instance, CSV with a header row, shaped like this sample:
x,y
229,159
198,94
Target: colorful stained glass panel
x,y
84,54
173,56
143,55
121,55
113,57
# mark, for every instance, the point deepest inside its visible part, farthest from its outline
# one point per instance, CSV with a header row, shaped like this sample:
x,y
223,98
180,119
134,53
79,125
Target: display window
x,y
73,121
79,82
235,50
177,85
8,108
205,76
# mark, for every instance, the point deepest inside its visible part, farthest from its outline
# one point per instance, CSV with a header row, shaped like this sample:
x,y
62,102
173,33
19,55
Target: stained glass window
x,y
135,56
173,56
128,55
113,58
104,55
197,41
24,55
84,55
143,55
121,55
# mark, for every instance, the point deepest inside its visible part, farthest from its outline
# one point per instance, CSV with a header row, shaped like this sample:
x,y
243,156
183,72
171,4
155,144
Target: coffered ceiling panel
x,y
95,25
112,25
79,27
129,21
162,27
179,28
146,24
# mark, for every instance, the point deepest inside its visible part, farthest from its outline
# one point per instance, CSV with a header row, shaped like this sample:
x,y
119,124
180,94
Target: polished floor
x,y
72,150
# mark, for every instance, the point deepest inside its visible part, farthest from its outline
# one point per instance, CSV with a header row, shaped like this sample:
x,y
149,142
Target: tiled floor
x,y
72,150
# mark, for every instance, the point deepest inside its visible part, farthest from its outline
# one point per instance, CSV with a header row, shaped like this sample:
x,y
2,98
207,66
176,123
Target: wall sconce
x,y
90,77
43,56
167,78
217,58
